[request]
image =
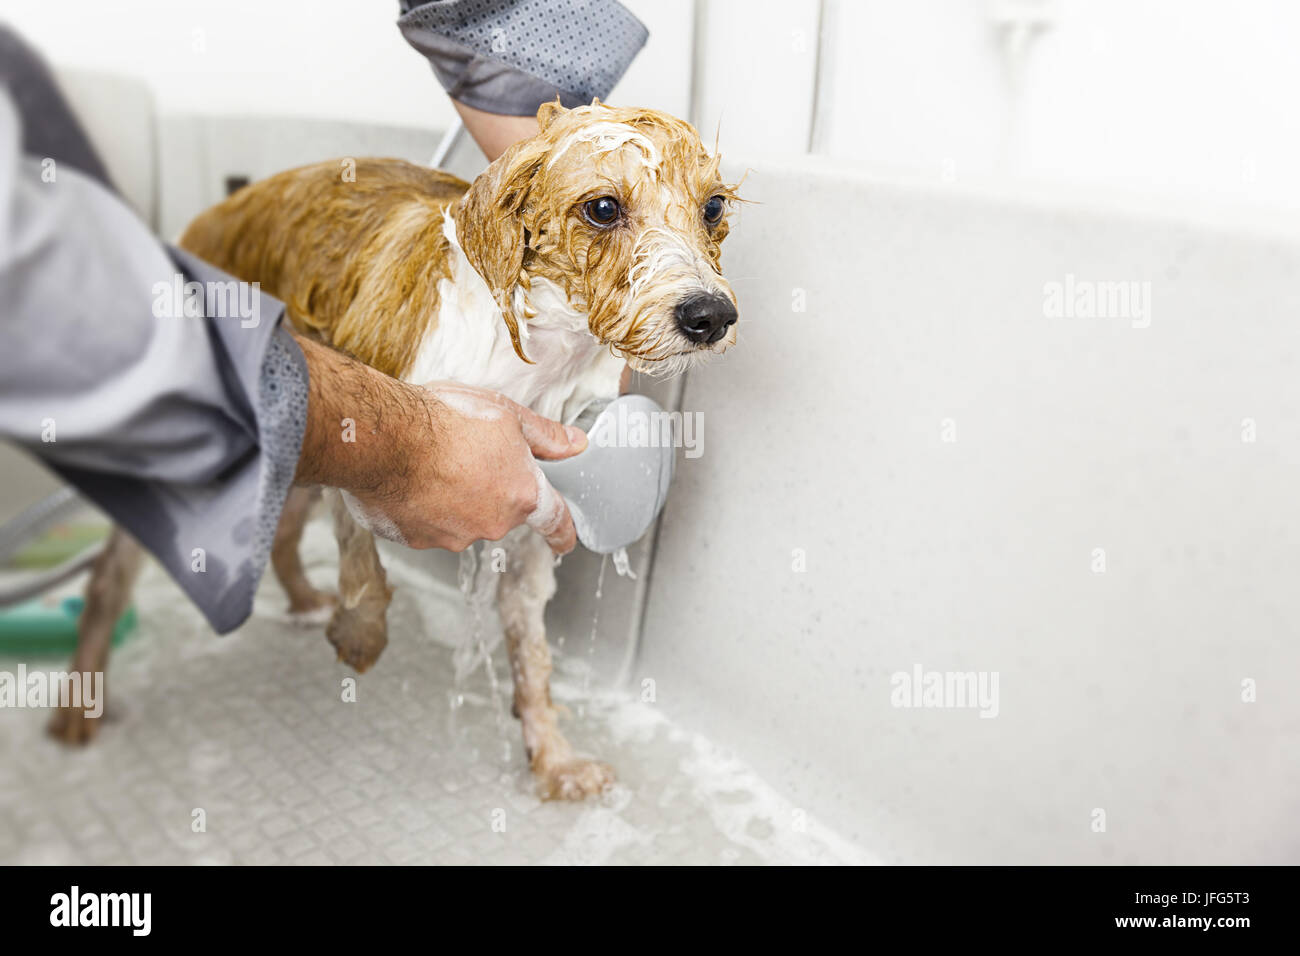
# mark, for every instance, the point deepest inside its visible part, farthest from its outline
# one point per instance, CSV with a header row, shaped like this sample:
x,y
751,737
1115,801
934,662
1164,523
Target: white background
x,y
1174,98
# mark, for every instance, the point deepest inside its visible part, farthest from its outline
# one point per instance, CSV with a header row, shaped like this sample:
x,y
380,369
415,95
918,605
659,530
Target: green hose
x,y
45,628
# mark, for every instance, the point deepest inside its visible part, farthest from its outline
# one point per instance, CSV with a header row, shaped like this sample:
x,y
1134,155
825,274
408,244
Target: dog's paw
x,y
315,611
572,779
359,640
73,727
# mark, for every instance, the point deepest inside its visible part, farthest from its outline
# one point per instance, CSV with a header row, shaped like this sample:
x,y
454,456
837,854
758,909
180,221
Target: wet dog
x,y
590,247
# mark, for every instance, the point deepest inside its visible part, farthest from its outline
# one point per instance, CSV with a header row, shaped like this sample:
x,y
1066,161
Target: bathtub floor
x,y
252,730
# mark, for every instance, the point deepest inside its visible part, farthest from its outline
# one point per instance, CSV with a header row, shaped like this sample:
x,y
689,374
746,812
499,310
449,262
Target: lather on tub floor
x,y
252,730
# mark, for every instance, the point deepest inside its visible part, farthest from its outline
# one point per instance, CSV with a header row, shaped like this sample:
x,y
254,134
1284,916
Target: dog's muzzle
x,y
705,318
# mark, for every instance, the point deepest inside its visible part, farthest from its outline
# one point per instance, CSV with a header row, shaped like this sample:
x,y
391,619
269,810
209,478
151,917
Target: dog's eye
x,y
601,212
713,210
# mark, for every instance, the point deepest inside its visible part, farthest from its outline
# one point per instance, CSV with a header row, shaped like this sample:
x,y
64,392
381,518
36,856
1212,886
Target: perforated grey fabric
x,y
281,411
510,56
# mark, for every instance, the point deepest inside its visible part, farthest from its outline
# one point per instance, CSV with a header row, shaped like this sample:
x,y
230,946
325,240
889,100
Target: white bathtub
x,y
923,469
832,431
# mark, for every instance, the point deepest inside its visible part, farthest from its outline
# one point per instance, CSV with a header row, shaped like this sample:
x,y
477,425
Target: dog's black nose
x,y
705,318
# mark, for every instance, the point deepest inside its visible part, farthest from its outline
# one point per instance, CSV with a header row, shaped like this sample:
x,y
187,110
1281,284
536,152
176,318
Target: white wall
x,y
1179,99
329,59
1188,99
1194,98
910,462
756,69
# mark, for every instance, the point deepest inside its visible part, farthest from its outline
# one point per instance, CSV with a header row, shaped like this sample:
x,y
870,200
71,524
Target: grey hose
x,y
447,143
28,525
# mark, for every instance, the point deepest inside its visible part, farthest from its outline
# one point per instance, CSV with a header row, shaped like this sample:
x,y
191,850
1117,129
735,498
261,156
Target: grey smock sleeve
x,y
511,56
178,411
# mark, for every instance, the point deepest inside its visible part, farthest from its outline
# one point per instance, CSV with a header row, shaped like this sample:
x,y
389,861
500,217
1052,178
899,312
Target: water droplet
x,y
622,565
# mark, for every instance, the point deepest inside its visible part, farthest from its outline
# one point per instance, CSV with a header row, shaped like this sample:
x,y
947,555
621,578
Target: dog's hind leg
x,y
112,578
307,604
526,586
359,628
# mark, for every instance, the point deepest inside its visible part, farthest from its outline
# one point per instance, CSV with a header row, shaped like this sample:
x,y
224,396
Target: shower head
x,y
617,486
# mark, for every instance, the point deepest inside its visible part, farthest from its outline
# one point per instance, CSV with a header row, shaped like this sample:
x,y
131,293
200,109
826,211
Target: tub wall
x,y
826,436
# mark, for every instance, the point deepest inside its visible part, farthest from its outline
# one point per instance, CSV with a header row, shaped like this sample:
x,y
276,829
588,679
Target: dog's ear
x,y
547,113
491,228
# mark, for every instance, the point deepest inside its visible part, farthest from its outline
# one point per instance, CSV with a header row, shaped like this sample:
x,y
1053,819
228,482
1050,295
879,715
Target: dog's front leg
x,y
526,586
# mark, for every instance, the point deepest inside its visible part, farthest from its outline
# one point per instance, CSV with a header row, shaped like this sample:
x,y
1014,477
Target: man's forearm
x,y
493,132
362,425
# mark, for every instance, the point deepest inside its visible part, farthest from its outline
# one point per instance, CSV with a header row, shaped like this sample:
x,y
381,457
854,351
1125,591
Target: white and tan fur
x,y
471,344
514,288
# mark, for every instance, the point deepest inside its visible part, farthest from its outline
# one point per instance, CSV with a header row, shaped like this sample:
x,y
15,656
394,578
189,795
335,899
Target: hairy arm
x,y
437,466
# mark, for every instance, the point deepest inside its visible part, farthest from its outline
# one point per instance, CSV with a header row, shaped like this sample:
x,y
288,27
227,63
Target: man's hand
x,y
435,467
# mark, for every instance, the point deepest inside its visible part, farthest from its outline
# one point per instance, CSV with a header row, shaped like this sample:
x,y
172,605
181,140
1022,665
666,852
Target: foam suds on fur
x,y
373,520
606,137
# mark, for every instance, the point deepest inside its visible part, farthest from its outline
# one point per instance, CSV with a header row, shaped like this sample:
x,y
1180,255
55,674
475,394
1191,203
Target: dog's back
x,y
340,242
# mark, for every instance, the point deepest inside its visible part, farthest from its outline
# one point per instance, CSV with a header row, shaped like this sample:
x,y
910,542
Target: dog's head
x,y
621,208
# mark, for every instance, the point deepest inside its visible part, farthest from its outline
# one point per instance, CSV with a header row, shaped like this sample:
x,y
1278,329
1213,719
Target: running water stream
x,y
477,580
591,644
